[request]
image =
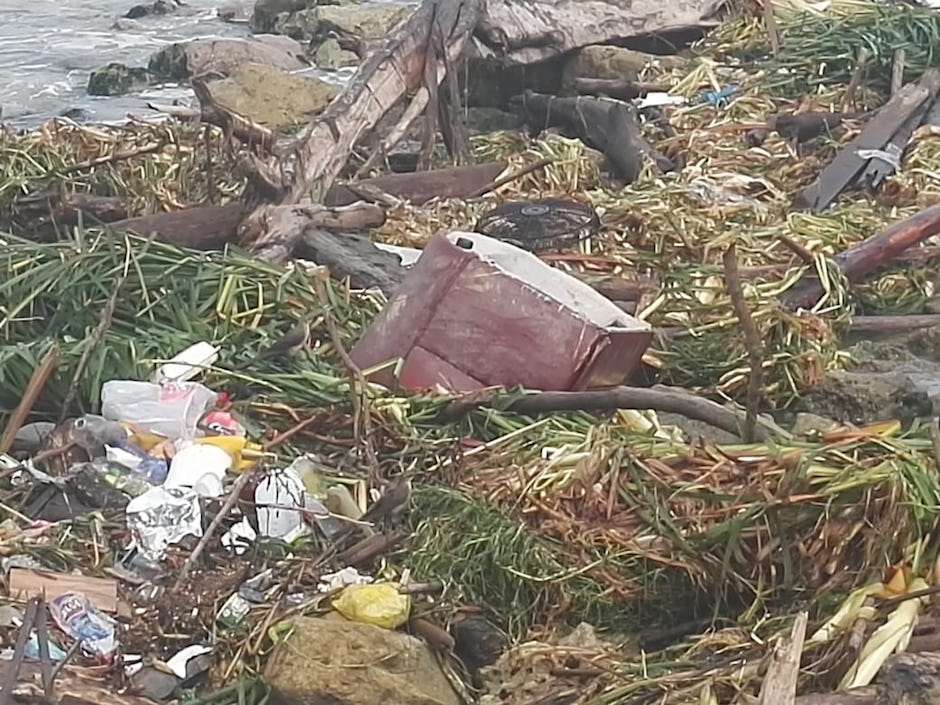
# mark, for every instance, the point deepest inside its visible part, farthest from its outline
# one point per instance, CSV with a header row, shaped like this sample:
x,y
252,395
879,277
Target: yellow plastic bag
x,y
380,604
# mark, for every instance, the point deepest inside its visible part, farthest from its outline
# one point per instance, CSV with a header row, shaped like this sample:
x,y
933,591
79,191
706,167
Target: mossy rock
x,y
118,79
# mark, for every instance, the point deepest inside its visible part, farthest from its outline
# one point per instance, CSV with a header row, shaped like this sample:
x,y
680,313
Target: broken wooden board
x,y
877,170
26,583
528,31
845,168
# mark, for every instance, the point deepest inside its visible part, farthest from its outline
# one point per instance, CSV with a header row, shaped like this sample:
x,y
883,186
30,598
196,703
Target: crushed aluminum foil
x,y
161,517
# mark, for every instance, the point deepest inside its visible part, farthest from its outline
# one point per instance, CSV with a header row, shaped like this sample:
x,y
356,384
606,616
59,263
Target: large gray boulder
x,y
184,60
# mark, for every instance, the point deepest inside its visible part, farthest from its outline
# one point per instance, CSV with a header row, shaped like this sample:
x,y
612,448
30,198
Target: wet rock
x,y
891,379
236,13
224,56
331,661
76,114
266,13
272,97
370,20
808,425
124,25
477,642
604,61
330,55
156,8
117,79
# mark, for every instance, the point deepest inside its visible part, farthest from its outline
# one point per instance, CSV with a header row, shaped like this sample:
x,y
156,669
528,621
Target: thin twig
x,y
752,342
796,248
213,525
94,340
289,433
509,178
111,158
912,595
362,418
73,649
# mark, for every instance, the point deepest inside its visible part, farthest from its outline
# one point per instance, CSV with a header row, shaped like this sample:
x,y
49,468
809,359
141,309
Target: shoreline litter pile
x,y
580,416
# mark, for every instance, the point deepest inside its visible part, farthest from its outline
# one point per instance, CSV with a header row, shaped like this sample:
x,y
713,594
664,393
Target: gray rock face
x,y
332,661
224,56
117,79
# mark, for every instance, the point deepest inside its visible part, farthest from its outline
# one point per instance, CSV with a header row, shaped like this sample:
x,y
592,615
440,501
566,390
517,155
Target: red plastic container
x,y
476,312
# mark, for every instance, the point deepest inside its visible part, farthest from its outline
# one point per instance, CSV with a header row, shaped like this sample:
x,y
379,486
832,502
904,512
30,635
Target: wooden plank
x,y
878,170
26,583
843,170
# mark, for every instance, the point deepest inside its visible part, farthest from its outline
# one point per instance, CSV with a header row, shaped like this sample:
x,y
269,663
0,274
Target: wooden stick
x,y
755,353
796,248
213,525
289,433
42,636
779,686
849,99
509,178
897,70
771,22
36,384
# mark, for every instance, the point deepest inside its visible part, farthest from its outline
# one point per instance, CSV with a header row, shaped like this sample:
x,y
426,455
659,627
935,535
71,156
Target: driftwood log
x,y
288,182
608,126
211,227
857,261
526,33
412,57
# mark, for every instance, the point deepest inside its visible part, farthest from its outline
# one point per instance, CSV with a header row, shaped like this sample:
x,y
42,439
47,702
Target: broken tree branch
x,y
860,259
238,126
659,398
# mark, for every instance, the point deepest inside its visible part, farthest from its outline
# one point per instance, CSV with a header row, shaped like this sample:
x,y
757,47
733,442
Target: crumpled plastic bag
x,y
379,604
